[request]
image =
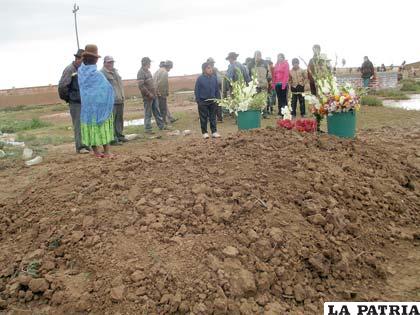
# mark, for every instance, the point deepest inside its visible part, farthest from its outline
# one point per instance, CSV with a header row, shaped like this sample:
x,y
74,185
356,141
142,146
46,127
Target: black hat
x,y
169,64
232,55
161,64
79,53
146,61
205,65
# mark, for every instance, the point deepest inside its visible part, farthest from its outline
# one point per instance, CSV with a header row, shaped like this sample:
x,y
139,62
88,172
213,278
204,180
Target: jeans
x,y
163,108
75,119
296,97
151,106
281,96
366,82
313,87
118,121
207,111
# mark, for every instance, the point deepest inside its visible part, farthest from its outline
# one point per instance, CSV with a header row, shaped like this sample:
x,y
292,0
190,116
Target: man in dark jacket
x,y
368,71
233,72
148,91
206,90
219,77
68,90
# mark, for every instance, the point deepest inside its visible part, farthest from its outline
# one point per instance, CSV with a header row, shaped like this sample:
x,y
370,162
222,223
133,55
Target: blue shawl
x,y
96,94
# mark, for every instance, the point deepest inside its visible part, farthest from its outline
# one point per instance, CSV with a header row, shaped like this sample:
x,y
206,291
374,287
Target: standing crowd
x,y
96,100
96,97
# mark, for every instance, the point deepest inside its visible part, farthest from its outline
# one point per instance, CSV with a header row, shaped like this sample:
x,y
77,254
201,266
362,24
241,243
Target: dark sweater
x,y
367,69
206,88
68,87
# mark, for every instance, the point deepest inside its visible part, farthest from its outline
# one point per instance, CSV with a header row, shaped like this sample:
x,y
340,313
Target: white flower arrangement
x,y
244,97
287,114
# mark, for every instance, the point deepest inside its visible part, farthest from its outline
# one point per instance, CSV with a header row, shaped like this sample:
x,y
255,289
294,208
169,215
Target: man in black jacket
x,y
368,71
68,90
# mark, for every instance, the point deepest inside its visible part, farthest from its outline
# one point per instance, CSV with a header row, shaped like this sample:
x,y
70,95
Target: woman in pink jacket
x,y
280,81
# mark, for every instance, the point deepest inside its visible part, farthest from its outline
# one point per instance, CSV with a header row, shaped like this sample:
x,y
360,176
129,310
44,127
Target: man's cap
x,y
232,55
210,60
146,60
79,53
108,59
169,64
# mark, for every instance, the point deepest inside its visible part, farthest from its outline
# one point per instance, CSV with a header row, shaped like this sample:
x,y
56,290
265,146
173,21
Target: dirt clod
x,y
38,285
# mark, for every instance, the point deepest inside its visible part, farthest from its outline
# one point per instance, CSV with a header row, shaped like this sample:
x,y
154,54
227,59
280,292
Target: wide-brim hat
x,y
91,50
232,55
79,53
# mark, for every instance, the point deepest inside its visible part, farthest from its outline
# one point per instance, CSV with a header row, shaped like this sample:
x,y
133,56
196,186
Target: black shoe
x,y
114,142
122,140
174,120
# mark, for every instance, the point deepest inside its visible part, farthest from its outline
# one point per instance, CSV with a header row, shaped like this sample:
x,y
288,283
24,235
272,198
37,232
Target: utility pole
x,y
75,9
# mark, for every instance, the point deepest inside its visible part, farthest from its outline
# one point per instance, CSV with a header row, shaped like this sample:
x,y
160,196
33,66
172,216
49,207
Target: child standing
x,y
206,90
297,81
280,81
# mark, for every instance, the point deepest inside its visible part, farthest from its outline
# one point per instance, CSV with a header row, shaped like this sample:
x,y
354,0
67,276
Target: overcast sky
x,y
37,38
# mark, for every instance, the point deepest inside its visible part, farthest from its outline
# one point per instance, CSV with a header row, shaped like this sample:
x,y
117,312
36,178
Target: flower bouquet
x,y
331,98
243,96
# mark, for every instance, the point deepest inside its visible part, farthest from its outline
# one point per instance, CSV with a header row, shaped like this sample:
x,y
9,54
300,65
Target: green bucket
x,y
342,124
249,119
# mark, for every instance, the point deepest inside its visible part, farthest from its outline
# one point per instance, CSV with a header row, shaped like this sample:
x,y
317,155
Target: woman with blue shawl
x,y
97,97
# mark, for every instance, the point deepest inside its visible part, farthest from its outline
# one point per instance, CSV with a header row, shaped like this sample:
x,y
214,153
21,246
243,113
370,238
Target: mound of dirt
x,y
266,222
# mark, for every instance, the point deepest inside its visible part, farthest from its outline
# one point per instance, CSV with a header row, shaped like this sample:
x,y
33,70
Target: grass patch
x,y
33,269
391,94
34,140
59,108
13,108
21,125
371,100
19,108
410,86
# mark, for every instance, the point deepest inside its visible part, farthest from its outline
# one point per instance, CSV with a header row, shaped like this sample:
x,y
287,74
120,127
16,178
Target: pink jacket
x,y
281,74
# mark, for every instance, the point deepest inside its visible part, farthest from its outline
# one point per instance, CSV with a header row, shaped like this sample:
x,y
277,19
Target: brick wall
x,y
47,95
382,80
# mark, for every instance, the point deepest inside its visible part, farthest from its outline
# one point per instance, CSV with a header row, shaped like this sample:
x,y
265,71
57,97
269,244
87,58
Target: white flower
x,y
313,100
285,111
325,89
342,99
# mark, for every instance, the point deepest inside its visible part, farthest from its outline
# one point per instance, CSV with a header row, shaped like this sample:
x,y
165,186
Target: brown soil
x,y
266,222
